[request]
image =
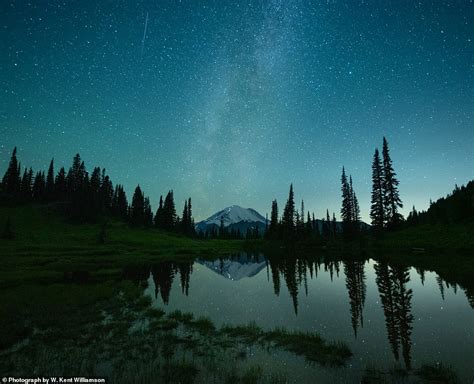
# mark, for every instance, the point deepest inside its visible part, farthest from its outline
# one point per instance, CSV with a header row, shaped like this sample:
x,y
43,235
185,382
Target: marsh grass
x,y
309,345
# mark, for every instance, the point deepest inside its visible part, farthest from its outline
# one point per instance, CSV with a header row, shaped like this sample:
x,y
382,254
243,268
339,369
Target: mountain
x,y
234,217
236,268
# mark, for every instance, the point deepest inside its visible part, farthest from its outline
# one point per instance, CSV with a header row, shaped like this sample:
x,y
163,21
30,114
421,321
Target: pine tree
x,y
185,223
288,222
169,212
11,179
61,184
346,210
309,225
39,186
148,214
355,214
392,201
106,193
273,228
50,192
75,176
159,215
137,211
26,185
377,210
120,204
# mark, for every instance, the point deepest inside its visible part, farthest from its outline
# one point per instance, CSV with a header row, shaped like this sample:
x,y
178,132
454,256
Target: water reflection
x,y
391,281
356,288
396,304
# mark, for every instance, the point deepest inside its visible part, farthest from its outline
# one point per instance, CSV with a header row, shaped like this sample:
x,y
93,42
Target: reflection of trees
x,y
294,271
185,270
163,275
396,303
355,284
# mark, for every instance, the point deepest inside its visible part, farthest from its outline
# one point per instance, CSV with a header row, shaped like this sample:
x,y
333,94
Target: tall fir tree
x,y
288,219
26,185
392,201
39,186
346,210
11,179
169,212
137,209
159,215
61,185
50,190
273,228
355,214
377,210
148,214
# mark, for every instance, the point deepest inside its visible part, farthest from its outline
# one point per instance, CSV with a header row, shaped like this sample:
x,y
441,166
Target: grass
x,y
47,248
309,345
426,374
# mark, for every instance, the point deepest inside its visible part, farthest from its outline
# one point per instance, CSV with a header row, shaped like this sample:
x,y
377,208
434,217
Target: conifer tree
x,y
309,225
11,179
120,204
50,193
26,185
159,215
106,193
137,210
392,201
355,214
346,210
288,218
148,214
39,186
377,210
61,184
169,212
273,228
334,224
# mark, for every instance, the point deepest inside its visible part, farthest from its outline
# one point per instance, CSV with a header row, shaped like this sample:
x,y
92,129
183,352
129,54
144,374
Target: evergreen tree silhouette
x,y
355,284
391,198
137,211
39,186
386,289
355,225
61,185
377,210
346,210
11,179
106,193
169,212
288,219
148,214
27,185
120,203
50,190
273,228
159,222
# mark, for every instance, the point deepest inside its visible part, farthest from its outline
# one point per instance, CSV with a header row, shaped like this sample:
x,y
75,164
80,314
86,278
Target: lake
x,y
390,316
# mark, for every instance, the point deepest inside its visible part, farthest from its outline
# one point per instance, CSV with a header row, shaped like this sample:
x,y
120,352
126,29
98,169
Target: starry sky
x,y
230,101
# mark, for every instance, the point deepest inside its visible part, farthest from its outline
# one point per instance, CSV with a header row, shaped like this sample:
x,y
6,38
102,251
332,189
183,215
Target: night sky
x,y
229,102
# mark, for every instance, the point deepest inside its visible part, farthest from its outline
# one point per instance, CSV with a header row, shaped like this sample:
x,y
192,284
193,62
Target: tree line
x,y
85,197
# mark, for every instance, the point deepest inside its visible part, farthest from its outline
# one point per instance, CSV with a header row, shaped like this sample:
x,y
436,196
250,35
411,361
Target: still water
x,y
388,315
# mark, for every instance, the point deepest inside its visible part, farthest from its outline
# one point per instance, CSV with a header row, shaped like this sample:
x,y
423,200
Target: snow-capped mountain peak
x,y
235,214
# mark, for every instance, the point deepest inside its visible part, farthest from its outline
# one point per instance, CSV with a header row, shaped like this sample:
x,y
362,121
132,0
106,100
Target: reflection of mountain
x,y
236,268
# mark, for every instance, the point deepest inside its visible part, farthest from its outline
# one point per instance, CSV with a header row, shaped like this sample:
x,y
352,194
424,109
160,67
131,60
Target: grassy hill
x,y
47,245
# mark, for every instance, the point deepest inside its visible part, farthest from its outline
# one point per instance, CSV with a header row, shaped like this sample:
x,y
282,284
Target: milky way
x,y
230,102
